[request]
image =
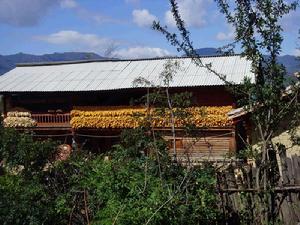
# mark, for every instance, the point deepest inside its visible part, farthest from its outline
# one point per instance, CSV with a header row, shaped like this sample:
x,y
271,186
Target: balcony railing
x,y
52,120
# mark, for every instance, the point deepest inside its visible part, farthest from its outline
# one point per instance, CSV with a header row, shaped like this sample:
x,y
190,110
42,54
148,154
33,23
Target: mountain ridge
x,y
8,62
291,62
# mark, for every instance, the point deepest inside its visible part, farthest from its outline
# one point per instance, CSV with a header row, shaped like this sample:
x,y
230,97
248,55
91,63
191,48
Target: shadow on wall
x,y
282,136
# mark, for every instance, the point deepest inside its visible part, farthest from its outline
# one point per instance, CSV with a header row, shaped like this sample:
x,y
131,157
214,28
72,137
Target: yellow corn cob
x,y
131,117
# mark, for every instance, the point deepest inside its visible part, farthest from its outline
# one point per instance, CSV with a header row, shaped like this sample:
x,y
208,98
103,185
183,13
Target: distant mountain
x,y
207,51
5,65
8,62
291,62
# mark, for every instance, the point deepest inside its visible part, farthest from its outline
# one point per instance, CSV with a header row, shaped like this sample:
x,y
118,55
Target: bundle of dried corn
x,y
130,117
19,119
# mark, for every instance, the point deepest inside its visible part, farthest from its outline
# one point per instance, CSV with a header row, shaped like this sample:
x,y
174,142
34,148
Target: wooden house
x,y
52,92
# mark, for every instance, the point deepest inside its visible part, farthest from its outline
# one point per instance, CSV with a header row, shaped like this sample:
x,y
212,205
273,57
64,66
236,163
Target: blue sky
x,y
120,27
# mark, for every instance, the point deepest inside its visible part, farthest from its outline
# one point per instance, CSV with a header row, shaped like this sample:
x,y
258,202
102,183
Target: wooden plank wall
x,y
208,145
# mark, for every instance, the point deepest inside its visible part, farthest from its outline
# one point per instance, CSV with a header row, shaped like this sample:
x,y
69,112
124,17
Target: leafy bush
x,y
25,201
134,187
22,153
24,198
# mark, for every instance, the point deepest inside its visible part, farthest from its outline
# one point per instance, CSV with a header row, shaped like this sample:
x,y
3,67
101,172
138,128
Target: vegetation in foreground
x,y
131,188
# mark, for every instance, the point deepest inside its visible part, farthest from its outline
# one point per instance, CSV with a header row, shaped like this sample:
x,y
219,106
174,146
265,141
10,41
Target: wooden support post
x,y
4,105
247,125
232,143
74,144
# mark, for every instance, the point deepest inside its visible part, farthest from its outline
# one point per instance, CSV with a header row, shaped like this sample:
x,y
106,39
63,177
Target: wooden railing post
x,y
52,120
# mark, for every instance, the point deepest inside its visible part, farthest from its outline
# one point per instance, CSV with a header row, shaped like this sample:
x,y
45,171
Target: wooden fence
x,y
52,120
239,195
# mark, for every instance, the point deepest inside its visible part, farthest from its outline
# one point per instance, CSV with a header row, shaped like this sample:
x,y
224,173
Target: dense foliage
x,y
133,187
24,198
258,36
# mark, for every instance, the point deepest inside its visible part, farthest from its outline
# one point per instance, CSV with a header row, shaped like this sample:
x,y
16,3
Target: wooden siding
x,y
42,102
213,145
207,144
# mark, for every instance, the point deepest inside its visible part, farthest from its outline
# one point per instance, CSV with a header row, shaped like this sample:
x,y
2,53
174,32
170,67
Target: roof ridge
x,y
116,60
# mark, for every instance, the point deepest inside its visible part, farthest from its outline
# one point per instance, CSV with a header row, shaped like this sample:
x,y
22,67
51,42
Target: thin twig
x,y
169,199
71,213
116,217
86,207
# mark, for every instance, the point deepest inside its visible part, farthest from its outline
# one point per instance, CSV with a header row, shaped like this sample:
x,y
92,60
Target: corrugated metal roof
x,y
120,74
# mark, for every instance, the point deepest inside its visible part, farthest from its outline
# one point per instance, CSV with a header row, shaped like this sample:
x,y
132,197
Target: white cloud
x,y
140,52
290,22
169,19
24,12
229,35
297,52
78,41
68,4
132,1
94,16
143,18
86,14
193,12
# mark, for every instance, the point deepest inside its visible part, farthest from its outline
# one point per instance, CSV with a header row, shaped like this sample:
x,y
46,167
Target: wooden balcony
x,y
52,120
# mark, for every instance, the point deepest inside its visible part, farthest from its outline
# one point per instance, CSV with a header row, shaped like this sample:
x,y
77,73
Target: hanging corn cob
x,y
19,119
132,117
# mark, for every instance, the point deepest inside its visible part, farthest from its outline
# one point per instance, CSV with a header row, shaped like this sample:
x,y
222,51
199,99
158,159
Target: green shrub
x,y
134,187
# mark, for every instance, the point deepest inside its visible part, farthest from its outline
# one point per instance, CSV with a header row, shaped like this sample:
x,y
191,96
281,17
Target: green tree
x,y
20,152
24,198
259,33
